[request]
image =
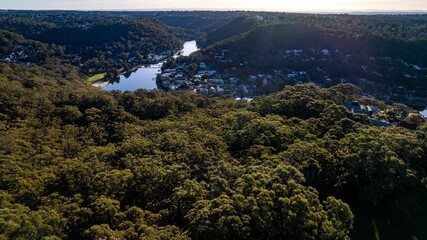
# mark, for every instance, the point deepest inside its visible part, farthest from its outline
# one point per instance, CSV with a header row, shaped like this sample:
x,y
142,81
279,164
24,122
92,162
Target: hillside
x,y
276,53
98,33
277,37
80,163
93,43
200,21
301,157
192,22
235,27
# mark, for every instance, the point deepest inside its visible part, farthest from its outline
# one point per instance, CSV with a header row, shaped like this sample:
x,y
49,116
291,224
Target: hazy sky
x,y
277,5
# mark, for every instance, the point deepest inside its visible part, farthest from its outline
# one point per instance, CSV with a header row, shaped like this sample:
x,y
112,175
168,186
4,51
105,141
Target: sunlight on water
x,y
145,76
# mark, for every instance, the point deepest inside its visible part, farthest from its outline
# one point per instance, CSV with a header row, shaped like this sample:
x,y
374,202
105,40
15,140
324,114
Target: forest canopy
x,y
80,163
291,162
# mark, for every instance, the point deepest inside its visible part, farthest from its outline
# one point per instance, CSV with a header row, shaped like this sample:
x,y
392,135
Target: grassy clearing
x,y
95,78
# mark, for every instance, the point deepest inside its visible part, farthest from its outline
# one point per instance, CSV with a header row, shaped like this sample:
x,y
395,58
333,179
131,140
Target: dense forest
x,y
95,44
270,38
81,163
77,162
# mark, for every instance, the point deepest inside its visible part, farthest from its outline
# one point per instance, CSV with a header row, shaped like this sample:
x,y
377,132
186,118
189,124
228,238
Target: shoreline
x,y
102,83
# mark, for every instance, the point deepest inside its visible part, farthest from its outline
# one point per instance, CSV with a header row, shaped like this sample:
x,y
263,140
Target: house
x,y
326,52
264,82
296,52
373,109
354,107
219,89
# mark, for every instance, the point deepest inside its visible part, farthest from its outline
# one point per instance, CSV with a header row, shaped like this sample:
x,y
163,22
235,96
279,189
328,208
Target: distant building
x,y
202,65
264,82
356,107
326,52
295,52
373,109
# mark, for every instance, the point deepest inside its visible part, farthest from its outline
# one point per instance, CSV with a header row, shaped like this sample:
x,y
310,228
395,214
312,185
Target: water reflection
x,y
145,76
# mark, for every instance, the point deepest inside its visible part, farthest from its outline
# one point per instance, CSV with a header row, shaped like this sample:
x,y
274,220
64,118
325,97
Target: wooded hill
x,y
252,37
94,43
80,163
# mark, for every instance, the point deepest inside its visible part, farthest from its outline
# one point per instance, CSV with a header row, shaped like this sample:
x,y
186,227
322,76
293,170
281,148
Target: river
x,y
145,76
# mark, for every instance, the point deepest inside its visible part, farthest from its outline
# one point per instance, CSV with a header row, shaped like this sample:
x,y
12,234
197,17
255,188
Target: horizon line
x,y
341,11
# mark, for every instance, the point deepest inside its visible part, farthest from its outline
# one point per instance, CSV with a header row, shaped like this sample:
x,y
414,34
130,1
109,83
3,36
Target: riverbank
x,y
102,82
141,75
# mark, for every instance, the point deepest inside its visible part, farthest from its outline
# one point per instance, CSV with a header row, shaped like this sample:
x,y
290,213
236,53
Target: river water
x,y
145,76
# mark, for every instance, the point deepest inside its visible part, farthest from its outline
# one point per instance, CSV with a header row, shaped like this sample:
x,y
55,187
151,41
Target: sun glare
x,y
294,5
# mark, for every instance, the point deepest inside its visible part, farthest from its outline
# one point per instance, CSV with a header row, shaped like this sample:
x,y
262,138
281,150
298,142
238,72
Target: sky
x,y
270,5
